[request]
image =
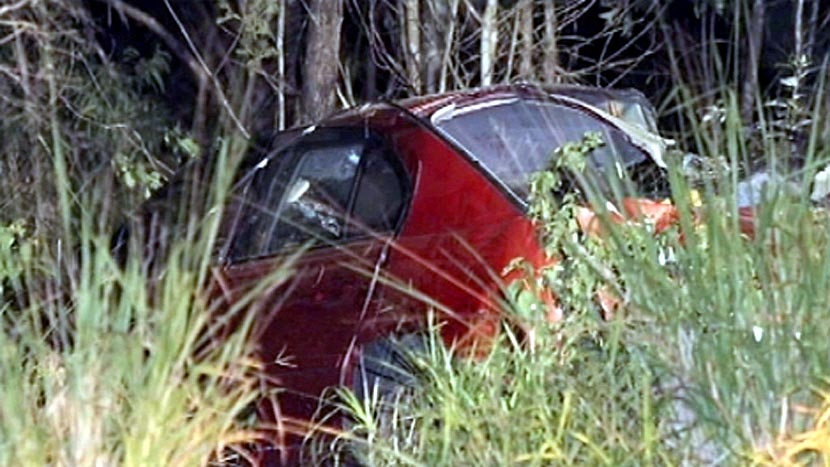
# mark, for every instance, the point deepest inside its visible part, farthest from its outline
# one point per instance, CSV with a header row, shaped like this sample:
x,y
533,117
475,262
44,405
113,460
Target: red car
x,y
403,208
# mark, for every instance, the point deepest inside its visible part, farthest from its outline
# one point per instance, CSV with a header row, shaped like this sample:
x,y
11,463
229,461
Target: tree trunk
x,y
412,40
525,39
322,58
449,45
550,60
755,41
489,39
436,26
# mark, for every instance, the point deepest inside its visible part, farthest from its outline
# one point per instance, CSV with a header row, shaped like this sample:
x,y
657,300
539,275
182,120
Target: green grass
x,y
710,362
717,357
104,365
564,404
110,374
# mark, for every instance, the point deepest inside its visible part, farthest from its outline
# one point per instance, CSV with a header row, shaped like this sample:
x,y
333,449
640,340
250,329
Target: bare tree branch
x,y
191,58
153,25
217,86
14,6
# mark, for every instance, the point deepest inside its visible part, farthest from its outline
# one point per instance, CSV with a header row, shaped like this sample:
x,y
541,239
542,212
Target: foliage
x,y
62,97
710,358
102,365
810,447
518,406
118,370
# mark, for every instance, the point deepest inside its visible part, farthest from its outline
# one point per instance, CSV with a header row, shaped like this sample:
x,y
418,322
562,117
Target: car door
x,y
332,200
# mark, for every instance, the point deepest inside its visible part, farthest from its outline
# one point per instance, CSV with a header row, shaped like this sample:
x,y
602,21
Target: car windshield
x,y
513,138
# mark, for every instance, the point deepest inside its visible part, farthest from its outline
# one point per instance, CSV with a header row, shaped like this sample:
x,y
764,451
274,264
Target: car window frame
x,y
374,142
267,148
404,178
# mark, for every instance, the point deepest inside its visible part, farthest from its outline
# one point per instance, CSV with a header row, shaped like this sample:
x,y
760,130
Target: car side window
x,y
315,202
329,187
381,194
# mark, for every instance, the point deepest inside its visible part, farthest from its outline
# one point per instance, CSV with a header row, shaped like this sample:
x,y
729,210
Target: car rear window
x,y
513,138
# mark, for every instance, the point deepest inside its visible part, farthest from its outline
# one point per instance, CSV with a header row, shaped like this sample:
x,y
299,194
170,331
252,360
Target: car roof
x,y
627,109
628,104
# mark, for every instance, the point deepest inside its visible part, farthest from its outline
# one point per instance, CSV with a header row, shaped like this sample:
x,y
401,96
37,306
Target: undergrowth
x,y
690,343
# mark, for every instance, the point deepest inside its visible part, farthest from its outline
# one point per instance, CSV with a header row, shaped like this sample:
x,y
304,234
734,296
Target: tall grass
x,y
564,404
101,363
104,365
717,354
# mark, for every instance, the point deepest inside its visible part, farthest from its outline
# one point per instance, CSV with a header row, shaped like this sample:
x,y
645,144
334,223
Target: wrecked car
x,y
399,209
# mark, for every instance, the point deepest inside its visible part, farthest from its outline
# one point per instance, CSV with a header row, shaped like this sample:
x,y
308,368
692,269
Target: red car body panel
x,y
460,233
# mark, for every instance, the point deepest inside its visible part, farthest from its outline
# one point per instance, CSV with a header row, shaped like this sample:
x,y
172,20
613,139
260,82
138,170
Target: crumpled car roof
x,y
628,109
629,105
